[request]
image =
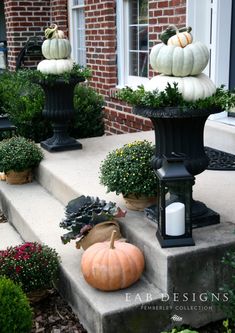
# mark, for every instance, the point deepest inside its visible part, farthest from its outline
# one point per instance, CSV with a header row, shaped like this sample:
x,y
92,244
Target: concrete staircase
x,y
171,275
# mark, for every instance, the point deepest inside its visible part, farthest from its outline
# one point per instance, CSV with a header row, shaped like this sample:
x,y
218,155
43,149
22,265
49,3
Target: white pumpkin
x,y
191,87
56,48
178,61
180,39
53,66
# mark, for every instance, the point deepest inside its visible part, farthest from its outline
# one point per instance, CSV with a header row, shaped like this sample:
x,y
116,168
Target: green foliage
x,y
18,154
32,265
83,213
171,97
226,325
128,170
23,101
88,120
179,330
77,71
15,311
229,288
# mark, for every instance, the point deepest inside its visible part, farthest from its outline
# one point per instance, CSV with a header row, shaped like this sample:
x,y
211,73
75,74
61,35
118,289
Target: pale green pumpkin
x,y
191,87
54,66
178,61
56,48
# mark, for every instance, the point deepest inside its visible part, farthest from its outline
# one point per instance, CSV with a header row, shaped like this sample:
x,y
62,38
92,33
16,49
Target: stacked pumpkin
x,y
56,49
178,59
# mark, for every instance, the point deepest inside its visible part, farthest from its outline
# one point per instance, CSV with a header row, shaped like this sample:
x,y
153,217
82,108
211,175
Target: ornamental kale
x,y
83,213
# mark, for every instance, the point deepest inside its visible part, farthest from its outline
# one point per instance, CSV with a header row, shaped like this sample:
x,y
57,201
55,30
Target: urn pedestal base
x,y
60,141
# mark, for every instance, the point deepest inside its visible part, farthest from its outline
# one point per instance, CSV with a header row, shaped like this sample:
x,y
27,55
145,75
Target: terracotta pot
x,y
139,203
19,177
100,233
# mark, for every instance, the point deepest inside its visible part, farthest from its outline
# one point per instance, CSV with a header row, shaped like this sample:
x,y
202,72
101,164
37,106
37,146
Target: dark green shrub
x,y
15,311
229,287
88,106
23,101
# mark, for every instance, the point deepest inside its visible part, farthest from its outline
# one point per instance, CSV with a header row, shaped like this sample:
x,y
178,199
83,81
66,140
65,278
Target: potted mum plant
x,y
33,266
18,156
128,171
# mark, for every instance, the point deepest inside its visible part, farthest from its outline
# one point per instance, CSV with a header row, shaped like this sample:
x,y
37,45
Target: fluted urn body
x,y
180,133
59,110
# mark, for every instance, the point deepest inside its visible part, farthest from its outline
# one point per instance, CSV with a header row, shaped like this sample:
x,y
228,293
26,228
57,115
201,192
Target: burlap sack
x,y
100,233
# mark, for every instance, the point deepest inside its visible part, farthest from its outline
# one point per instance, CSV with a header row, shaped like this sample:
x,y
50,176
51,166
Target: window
x,y
133,53
77,31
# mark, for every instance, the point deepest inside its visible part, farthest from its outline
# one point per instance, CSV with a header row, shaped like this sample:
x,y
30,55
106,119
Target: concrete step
x,y
36,211
9,236
36,215
69,174
220,135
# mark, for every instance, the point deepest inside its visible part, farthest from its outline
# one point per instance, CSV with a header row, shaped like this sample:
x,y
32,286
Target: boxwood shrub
x,y
15,311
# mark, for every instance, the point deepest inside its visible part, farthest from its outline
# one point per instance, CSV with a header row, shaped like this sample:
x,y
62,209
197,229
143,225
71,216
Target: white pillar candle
x,y
175,219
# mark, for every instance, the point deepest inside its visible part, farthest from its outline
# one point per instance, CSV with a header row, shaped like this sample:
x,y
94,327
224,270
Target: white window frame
x,y
124,79
72,32
211,29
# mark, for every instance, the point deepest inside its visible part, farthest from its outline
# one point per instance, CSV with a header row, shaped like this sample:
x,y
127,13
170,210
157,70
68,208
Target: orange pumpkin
x,y
108,266
181,39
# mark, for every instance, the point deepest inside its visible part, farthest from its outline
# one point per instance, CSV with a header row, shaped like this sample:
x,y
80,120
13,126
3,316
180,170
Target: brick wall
x,y
59,14
29,18
101,55
26,19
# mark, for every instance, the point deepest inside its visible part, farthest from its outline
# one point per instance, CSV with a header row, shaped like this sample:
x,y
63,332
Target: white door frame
x,y
211,24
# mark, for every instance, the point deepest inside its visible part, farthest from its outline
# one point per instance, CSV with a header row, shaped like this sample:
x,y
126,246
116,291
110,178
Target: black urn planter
x,y
180,133
59,110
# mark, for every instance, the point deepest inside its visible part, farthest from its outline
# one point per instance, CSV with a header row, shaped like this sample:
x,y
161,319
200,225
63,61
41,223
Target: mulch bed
x,y
3,218
53,315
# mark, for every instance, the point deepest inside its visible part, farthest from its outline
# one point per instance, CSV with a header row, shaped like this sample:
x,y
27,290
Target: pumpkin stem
x,y
49,32
112,239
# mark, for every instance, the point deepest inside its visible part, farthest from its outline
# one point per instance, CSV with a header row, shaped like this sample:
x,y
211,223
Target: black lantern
x,y
174,203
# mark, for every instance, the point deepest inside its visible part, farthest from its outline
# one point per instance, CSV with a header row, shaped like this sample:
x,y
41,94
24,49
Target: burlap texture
x,y
100,233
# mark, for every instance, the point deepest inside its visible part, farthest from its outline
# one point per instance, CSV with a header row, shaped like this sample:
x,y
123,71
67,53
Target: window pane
x,y
138,38
143,64
133,12
143,38
143,11
79,40
133,38
78,2
133,63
